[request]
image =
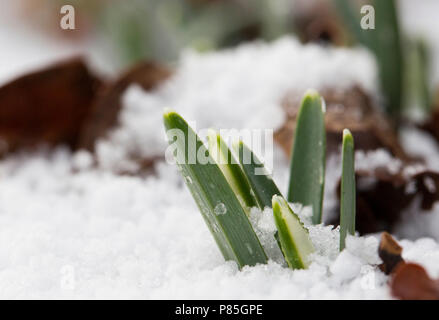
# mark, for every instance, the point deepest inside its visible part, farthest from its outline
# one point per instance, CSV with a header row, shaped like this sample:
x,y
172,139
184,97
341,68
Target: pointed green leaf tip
x,y
293,236
216,200
308,159
231,169
347,199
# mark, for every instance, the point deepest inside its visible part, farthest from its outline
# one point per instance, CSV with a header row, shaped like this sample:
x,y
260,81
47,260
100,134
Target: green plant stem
x,y
347,199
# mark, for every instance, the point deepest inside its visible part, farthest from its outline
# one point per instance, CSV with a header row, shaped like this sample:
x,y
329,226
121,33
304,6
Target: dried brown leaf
x,y
106,108
390,253
47,106
410,281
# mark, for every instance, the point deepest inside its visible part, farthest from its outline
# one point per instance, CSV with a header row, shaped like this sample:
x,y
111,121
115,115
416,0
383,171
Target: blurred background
x,y
114,34
122,32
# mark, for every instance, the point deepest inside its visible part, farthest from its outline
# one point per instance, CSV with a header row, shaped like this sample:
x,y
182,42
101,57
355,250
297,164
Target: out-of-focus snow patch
x,y
421,21
234,89
371,160
416,223
25,48
418,143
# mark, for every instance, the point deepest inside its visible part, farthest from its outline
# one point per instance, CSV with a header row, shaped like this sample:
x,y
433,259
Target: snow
x,y
93,234
415,222
420,21
69,229
230,88
25,48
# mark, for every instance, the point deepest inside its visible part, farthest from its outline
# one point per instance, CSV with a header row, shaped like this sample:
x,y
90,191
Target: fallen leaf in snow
x,y
410,281
47,106
390,252
105,111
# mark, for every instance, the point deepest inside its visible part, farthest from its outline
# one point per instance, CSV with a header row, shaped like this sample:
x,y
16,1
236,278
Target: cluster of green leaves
x,y
226,185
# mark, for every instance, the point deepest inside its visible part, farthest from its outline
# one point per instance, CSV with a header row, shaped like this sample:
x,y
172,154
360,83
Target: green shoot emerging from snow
x,y
347,199
307,175
216,199
293,237
225,190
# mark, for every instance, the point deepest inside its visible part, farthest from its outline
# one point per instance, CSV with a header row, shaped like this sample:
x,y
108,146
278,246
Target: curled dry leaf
x,y
382,196
47,106
351,108
410,281
390,253
106,108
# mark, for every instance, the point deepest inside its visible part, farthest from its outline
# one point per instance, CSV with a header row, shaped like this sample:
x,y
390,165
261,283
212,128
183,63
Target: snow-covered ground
x,y
94,234
71,230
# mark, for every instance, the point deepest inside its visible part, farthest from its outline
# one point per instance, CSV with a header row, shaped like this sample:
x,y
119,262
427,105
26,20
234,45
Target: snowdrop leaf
x,y
418,71
260,181
347,198
386,46
293,236
307,174
231,169
388,50
218,204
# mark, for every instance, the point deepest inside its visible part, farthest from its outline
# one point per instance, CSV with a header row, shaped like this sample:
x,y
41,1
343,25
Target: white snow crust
x,y
69,229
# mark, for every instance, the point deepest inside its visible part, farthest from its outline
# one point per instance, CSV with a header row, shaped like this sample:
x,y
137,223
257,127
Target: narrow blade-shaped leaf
x,y
231,169
347,199
307,174
418,66
260,180
351,16
293,236
219,206
388,50
385,43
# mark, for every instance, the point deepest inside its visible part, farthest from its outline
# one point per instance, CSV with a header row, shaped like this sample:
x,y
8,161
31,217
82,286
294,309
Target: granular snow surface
x,y
66,233
69,229
93,234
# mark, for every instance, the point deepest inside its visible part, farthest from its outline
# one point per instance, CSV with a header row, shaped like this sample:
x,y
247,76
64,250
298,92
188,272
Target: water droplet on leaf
x,y
220,209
